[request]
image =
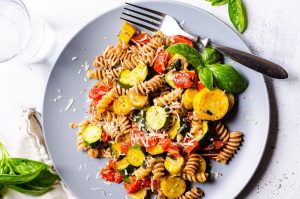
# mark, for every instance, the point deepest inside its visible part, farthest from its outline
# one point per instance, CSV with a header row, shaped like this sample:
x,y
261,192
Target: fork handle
x,y
254,62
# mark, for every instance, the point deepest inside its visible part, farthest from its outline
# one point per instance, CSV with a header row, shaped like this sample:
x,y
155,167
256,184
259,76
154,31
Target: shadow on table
x,y
268,154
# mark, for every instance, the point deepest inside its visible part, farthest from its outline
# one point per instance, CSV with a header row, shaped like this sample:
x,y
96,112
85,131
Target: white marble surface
x,y
273,32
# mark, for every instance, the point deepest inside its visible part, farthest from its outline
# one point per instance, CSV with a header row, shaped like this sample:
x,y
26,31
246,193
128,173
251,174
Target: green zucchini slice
x,y
169,79
156,117
135,156
92,134
129,78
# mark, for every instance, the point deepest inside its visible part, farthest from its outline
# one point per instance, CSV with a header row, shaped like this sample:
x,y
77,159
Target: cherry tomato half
x,y
97,91
141,38
184,79
161,61
179,39
171,148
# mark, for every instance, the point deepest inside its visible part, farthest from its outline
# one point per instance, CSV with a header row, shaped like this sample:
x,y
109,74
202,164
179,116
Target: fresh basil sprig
x,y
236,11
209,70
191,54
24,175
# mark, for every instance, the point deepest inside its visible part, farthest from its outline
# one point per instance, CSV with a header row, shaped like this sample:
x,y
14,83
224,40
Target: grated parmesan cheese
x,y
70,102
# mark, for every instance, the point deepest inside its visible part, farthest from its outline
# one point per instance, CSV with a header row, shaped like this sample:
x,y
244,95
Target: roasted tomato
x,y
141,38
178,39
184,79
136,185
161,61
171,148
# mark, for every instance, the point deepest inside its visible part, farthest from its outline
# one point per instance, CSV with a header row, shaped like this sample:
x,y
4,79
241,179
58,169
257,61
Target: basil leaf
x,y
237,14
227,78
23,188
206,77
25,166
44,179
191,54
210,56
218,2
18,179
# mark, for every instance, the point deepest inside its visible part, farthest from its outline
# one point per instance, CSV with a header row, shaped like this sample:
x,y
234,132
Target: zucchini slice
x,y
179,126
124,78
172,186
156,117
122,164
135,156
169,79
115,150
141,194
122,105
139,73
92,134
174,130
188,98
129,78
177,62
211,104
138,101
174,165
156,150
204,135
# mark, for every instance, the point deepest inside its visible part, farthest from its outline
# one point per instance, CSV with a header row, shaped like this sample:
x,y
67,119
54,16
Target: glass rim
x,y
25,10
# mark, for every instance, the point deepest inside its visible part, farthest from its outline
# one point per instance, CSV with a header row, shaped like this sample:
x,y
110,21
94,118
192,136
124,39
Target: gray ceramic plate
x,y
79,172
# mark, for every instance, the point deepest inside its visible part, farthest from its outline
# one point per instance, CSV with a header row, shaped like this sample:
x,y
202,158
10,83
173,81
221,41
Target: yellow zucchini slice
x,y
230,100
126,33
210,104
122,164
141,194
122,105
172,186
139,101
188,98
174,165
174,130
135,156
156,150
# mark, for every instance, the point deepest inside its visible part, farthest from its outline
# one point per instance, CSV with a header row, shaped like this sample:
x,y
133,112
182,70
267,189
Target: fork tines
x,y
143,17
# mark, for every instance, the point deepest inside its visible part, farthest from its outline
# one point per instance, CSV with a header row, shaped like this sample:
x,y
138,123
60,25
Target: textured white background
x,y
273,33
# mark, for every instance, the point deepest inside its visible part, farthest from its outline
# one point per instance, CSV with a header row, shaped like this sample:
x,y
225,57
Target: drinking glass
x,y
23,35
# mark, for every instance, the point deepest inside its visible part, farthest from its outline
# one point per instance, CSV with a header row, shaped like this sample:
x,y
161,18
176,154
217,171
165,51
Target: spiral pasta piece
x,y
144,171
193,193
102,62
102,74
125,128
168,98
121,91
158,169
149,86
130,61
192,164
200,177
93,153
106,100
222,132
114,55
81,144
230,148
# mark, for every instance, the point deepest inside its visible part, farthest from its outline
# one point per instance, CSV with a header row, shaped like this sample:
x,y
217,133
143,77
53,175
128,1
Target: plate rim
x,y
239,36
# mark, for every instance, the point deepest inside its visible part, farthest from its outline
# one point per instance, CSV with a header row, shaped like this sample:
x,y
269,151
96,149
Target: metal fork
x,y
154,20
